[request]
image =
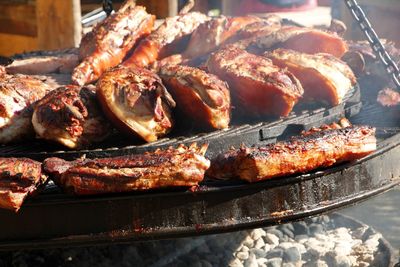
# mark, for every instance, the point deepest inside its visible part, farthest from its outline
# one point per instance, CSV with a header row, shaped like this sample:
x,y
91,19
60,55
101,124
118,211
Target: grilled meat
x,y
164,168
44,62
301,154
136,101
155,46
70,116
324,77
213,33
18,94
305,40
202,97
110,41
19,178
258,88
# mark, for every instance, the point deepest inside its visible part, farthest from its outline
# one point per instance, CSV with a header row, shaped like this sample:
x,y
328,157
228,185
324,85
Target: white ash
x,y
320,241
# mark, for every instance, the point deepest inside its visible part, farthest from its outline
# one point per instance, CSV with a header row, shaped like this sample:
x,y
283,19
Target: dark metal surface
x,y
55,219
373,39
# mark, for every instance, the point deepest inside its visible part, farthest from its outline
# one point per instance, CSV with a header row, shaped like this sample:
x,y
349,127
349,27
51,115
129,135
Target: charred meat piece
x,y
136,101
44,62
305,40
110,41
301,154
258,88
71,116
324,77
200,96
155,46
184,166
19,178
213,33
18,95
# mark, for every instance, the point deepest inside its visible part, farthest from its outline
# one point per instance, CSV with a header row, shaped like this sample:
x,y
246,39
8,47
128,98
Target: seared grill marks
x,y
19,177
110,41
301,154
183,166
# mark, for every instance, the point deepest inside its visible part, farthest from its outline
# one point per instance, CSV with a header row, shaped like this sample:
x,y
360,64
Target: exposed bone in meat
x,y
44,62
305,40
18,94
171,31
257,86
184,166
110,41
301,154
19,178
202,97
211,34
324,77
71,116
136,101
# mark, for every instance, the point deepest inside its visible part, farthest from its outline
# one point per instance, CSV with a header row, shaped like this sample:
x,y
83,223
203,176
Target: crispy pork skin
x,y
183,166
172,30
201,97
71,116
18,95
19,177
306,40
307,152
324,77
258,88
213,33
136,101
110,41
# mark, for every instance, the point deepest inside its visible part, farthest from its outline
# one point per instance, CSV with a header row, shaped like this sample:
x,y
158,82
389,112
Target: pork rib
x,y
324,77
184,166
301,154
110,41
201,97
136,101
71,116
258,88
19,177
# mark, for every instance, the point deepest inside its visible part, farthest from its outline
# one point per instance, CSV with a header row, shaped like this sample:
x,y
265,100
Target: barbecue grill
x,y
57,219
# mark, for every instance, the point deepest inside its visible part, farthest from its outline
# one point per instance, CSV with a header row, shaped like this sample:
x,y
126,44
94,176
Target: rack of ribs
x,y
19,178
180,167
301,154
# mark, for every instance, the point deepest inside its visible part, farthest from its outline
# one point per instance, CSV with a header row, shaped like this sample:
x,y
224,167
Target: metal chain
x,y
107,7
373,39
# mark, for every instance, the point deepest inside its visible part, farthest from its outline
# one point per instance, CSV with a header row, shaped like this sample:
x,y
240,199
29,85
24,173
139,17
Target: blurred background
x,y
27,25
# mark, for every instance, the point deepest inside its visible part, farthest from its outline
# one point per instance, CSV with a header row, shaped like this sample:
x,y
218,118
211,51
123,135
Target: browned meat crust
x,y
201,97
110,41
324,77
213,33
258,88
184,166
136,101
171,31
71,116
19,177
301,154
18,94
